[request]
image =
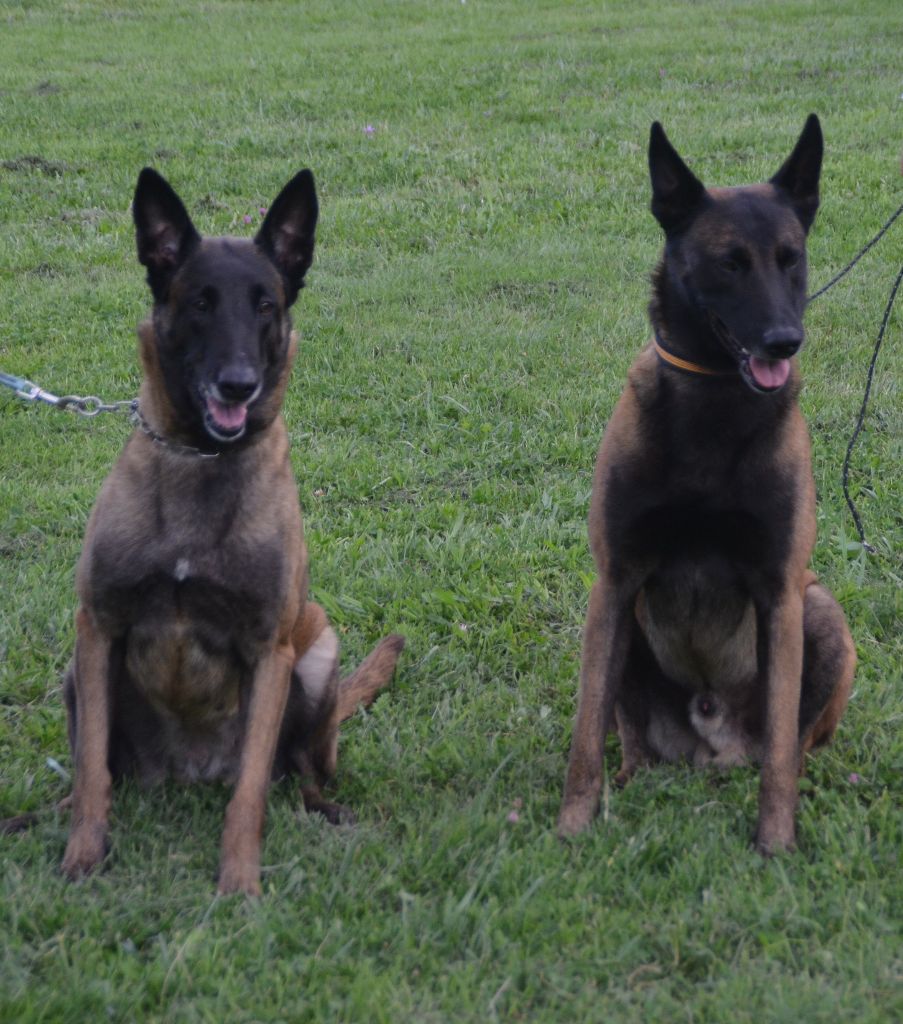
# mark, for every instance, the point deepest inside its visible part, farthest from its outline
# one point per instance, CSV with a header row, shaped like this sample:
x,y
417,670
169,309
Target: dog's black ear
x,y
676,191
163,230
798,176
287,233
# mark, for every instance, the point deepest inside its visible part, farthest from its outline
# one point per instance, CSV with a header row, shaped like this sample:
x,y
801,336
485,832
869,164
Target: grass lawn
x,y
478,294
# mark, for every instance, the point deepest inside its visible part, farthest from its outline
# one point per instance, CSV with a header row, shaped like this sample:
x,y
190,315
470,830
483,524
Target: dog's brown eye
x,y
265,307
201,304
734,262
789,258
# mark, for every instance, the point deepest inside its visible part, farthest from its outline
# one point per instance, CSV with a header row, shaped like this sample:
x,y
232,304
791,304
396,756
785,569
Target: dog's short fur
x,y
198,655
707,638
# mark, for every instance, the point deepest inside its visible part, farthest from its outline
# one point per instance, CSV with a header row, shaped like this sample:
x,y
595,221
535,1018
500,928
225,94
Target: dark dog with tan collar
x,y
707,637
198,655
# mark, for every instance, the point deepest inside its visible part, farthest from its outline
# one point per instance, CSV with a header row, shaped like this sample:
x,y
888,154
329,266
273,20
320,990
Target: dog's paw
x,y
19,823
776,827
87,847
335,814
770,840
575,816
239,876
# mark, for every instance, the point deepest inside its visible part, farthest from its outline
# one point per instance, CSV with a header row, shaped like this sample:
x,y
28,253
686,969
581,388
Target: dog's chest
x,y
230,590
196,599
700,623
192,649
725,497
705,532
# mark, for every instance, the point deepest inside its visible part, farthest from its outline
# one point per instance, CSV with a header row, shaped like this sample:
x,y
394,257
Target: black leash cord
x,y
865,399
857,257
871,371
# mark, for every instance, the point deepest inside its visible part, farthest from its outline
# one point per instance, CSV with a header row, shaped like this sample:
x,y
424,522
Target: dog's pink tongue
x,y
229,417
769,373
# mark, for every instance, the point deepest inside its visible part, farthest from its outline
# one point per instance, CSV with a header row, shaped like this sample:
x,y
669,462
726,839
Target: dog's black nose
x,y
782,342
237,383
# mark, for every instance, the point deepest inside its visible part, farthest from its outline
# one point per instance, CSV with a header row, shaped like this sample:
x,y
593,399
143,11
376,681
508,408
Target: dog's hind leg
x,y
314,712
635,752
18,823
651,714
21,822
829,661
320,702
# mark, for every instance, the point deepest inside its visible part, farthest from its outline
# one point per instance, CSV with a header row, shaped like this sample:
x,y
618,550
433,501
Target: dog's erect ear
x,y
676,191
798,177
163,230
287,233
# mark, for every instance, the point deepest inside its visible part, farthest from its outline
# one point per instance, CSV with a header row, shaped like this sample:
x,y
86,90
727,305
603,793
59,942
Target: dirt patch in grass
x,y
55,168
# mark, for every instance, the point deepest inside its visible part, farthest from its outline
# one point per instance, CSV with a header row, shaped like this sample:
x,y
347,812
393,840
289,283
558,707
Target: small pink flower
x,y
263,211
369,129
513,817
247,218
854,778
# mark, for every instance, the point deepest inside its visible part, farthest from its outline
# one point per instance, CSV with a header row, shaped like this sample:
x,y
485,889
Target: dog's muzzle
x,y
226,408
769,372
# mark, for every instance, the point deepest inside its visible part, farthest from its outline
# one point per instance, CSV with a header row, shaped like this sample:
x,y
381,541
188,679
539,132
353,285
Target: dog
x,y
198,655
706,634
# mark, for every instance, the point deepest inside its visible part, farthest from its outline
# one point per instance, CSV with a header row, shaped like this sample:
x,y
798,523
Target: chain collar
x,y
137,417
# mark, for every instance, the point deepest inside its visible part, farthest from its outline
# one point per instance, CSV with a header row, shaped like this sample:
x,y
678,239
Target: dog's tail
x,y
373,673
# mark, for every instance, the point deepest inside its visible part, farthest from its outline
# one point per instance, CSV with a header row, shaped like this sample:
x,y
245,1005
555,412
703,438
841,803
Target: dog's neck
x,y
144,425
685,332
702,398
171,430
155,416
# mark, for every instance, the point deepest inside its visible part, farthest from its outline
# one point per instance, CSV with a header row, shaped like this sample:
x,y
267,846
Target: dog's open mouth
x,y
765,374
762,375
225,421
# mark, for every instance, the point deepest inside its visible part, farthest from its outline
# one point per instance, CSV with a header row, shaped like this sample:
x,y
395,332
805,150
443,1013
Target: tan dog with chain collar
x,y
198,654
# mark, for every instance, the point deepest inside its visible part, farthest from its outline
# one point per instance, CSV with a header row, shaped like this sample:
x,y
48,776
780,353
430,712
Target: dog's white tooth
x,y
182,569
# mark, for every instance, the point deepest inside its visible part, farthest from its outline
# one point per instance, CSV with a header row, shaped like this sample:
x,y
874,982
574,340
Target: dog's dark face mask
x,y
221,306
737,257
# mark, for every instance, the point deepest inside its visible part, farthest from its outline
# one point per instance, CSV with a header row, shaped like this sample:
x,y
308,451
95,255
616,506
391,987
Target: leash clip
x,y
28,390
83,405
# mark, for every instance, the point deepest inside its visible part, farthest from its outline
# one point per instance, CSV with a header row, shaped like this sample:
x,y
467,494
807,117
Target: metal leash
x,y
84,405
845,474
91,405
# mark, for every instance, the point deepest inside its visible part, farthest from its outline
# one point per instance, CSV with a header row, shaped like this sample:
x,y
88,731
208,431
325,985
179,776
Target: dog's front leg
x,y
605,644
781,763
240,857
87,843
